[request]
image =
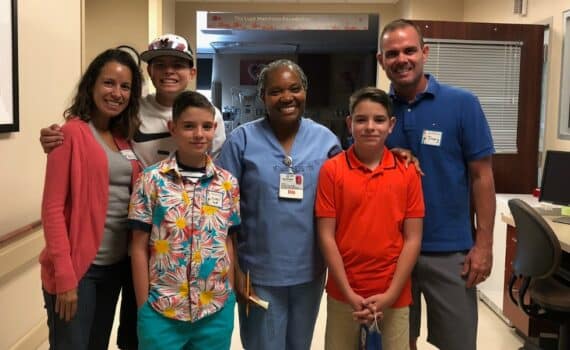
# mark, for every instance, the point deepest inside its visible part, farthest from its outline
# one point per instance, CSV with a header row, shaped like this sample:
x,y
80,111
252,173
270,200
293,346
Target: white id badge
x,y
291,186
214,199
432,138
129,154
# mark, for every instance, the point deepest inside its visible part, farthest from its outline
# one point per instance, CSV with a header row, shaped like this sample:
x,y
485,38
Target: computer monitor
x,y
555,187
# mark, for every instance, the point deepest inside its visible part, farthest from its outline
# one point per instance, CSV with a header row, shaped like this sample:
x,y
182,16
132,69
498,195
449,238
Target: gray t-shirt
x,y
113,247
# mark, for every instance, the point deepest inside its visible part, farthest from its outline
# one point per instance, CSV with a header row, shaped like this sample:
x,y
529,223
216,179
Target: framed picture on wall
x,y
9,111
249,70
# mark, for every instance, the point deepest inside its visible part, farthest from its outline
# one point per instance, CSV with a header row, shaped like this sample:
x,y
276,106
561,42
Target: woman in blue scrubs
x,y
277,161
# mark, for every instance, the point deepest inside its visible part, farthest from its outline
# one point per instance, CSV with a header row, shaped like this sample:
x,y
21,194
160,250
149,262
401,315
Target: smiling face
x,y
403,59
284,96
112,90
193,132
170,75
370,125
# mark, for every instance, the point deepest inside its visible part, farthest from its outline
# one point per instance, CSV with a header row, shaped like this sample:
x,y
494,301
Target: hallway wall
x,y
49,62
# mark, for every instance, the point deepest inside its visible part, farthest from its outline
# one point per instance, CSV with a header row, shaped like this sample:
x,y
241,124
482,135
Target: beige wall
x,y
160,17
539,12
21,299
49,41
109,23
404,8
436,10
168,16
49,64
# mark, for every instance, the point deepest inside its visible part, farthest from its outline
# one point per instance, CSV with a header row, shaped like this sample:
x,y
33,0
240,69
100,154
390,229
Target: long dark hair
x,y
126,123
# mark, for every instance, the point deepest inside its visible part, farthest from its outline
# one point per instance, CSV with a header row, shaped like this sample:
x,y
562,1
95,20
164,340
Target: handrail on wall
x,y
19,233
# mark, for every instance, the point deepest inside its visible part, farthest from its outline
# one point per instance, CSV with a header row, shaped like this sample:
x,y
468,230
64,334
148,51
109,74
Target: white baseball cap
x,y
168,45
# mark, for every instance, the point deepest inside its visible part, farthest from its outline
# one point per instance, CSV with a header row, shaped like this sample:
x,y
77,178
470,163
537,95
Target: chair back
x,y
538,251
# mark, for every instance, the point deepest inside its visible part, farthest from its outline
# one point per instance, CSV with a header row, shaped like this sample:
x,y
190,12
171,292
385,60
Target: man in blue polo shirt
x,y
446,129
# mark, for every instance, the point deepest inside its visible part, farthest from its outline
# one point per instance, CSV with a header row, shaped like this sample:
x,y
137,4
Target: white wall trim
x,y
16,254
34,338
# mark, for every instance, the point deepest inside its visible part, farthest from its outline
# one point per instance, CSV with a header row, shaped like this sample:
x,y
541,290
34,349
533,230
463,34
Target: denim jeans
x,y
127,331
90,328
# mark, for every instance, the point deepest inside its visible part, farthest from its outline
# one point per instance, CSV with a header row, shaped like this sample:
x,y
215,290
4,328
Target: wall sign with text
x,y
293,21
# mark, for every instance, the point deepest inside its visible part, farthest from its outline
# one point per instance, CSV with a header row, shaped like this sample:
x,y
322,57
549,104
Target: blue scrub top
x,y
277,241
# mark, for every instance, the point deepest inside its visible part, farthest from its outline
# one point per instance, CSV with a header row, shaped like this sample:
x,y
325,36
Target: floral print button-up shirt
x,y
188,221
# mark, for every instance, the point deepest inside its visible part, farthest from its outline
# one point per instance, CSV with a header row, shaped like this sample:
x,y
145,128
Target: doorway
x,y
336,61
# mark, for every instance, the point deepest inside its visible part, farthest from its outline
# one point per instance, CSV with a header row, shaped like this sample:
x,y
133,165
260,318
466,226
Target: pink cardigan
x,y
74,206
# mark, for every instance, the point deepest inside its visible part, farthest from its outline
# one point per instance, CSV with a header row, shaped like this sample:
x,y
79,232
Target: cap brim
x,y
150,54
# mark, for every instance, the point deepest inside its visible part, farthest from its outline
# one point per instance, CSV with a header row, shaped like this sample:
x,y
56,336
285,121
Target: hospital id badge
x,y
291,186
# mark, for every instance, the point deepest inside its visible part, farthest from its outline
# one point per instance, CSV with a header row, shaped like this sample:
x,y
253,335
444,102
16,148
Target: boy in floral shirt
x,y
181,211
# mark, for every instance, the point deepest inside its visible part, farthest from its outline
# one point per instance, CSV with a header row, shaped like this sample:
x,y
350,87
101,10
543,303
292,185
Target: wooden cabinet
x,y
529,326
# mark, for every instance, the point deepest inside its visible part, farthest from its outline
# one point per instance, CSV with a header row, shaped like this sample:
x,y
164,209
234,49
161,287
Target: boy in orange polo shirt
x,y
369,210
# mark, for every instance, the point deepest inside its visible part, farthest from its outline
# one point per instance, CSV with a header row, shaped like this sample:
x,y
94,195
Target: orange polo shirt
x,y
370,207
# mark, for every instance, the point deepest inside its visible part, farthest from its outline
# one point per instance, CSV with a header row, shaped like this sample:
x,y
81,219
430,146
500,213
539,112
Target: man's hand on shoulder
x,y
51,137
406,156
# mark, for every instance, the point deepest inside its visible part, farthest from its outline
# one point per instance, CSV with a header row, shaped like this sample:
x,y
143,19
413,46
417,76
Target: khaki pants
x,y
342,331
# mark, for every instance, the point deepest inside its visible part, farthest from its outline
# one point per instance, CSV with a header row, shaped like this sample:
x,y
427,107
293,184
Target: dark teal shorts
x,y
213,332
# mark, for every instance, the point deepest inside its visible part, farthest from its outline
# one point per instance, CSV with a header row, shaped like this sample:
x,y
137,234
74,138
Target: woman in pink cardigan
x,y
85,201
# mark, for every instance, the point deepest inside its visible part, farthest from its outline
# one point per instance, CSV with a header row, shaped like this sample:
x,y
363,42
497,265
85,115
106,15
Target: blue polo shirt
x,y
445,127
277,241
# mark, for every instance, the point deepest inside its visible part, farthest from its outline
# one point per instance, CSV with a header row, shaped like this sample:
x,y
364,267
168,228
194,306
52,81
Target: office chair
x,y
537,259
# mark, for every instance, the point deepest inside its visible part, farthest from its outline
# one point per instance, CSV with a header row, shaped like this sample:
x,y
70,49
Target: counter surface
x,y
562,231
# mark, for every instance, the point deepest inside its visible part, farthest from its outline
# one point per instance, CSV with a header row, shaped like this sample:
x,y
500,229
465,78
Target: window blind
x,y
489,69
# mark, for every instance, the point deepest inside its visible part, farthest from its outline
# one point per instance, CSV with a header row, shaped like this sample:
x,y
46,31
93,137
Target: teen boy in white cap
x,y
171,68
